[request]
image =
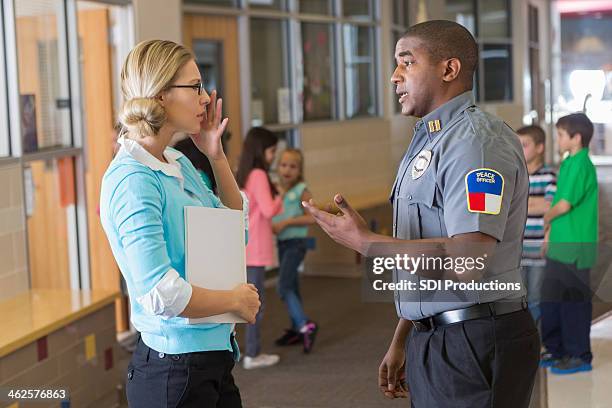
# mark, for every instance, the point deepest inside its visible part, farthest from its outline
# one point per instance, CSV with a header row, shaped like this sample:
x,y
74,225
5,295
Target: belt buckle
x,y
420,326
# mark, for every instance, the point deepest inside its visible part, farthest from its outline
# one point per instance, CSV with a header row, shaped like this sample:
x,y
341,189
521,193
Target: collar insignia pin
x,y
434,126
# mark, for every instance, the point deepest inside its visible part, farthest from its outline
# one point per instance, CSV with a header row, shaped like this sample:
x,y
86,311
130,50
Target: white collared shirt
x,y
142,155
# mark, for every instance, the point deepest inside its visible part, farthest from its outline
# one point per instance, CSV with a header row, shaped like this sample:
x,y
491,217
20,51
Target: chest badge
x,y
421,163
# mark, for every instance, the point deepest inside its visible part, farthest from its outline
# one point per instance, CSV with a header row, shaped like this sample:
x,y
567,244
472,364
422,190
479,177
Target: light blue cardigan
x,y
142,213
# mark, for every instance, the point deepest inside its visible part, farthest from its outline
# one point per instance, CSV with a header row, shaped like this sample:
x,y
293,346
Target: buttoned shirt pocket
x,y
408,220
431,215
419,216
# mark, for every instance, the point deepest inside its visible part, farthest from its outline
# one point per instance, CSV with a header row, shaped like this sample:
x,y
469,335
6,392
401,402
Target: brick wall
x,y
13,261
80,357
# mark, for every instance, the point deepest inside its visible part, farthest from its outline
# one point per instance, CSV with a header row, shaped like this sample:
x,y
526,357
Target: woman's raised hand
x,y
247,301
212,128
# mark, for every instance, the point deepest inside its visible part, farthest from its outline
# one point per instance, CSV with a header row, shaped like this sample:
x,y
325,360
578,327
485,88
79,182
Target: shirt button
x,y
130,375
161,355
410,197
176,357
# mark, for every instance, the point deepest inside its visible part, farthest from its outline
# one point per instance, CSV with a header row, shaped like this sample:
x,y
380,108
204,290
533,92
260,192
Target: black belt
x,y
477,311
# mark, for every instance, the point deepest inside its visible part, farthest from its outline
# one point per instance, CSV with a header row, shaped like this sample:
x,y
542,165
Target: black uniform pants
x,y
202,379
489,362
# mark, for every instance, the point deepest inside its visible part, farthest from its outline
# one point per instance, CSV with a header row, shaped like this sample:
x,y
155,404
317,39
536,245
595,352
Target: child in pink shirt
x,y
264,202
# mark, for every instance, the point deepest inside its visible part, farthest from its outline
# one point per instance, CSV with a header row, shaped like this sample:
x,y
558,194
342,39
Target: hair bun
x,y
142,116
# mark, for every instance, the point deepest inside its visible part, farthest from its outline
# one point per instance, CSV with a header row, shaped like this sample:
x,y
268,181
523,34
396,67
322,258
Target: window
x,y
4,115
494,19
490,23
497,61
58,58
584,73
316,63
49,176
360,58
536,91
400,13
361,9
267,4
462,12
51,216
44,97
359,71
316,7
209,55
103,43
270,92
401,22
216,3
317,92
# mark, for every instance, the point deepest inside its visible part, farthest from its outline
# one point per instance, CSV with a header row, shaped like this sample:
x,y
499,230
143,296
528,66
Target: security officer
x,y
462,180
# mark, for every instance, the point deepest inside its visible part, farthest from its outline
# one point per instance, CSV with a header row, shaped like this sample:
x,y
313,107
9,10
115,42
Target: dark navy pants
x,y
201,379
567,311
489,362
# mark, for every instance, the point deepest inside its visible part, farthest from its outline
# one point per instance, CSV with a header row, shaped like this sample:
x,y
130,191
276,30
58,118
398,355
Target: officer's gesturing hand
x,y
348,228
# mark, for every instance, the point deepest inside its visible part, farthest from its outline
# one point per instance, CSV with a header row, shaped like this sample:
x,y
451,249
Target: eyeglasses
x,y
199,87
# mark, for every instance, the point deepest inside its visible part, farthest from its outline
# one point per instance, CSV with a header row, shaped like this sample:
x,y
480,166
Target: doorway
x,y
214,41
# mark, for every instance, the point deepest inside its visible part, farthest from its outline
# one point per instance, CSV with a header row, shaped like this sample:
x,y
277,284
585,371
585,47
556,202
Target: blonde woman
x,y
144,191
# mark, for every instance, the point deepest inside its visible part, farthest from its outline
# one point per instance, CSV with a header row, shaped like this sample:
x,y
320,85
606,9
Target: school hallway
x,y
337,86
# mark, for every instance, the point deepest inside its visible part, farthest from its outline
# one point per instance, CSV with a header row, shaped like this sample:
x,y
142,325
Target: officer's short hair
x,y
575,123
445,39
535,132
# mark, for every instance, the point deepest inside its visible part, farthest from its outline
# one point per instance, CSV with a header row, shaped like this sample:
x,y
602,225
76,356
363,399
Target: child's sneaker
x,y
290,338
309,334
571,365
548,360
262,360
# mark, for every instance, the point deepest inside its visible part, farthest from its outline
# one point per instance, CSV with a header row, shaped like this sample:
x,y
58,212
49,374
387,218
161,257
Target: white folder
x,y
215,253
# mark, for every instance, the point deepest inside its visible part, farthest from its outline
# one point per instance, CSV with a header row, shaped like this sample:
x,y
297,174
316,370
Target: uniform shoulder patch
x,y
484,189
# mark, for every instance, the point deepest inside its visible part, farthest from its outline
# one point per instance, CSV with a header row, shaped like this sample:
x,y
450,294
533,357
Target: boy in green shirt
x,y
571,225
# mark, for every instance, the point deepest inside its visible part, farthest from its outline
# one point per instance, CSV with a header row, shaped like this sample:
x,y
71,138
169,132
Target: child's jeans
x,y
533,277
291,253
255,275
567,311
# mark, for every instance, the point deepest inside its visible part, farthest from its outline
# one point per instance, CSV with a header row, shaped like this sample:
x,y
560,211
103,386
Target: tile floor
x,y
587,390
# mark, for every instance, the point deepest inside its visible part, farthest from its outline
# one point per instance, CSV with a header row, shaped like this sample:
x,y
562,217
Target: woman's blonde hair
x,y
148,70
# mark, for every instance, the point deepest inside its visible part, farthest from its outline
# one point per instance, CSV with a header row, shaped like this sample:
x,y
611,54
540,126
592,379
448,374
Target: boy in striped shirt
x,y
542,187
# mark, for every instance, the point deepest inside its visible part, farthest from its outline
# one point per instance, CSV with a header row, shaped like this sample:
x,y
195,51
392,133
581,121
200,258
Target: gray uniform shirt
x,y
448,183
